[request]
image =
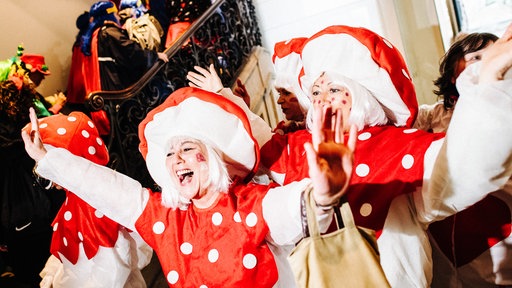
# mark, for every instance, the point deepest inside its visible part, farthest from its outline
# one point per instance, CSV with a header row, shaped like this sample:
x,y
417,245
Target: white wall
x,y
43,27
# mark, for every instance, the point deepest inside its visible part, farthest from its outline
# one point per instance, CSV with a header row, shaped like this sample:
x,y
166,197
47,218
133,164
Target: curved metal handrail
x,y
96,99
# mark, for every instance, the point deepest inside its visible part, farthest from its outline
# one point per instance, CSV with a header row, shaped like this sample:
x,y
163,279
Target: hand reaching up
x,y
33,143
241,92
207,80
330,160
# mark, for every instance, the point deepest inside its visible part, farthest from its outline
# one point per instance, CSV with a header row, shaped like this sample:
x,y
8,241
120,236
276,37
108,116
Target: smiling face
x,y
187,164
327,92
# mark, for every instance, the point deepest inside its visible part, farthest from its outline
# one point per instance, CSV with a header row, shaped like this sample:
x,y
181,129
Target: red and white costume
x,y
404,179
238,241
88,249
287,67
472,247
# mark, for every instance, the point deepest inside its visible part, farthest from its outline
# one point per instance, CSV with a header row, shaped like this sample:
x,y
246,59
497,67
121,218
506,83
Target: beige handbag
x,y
347,257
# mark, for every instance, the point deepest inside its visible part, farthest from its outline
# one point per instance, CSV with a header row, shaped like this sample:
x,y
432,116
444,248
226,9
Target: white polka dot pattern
x,y
249,261
410,131
172,277
217,218
158,227
237,217
362,170
407,161
364,136
186,248
61,131
68,215
213,255
251,220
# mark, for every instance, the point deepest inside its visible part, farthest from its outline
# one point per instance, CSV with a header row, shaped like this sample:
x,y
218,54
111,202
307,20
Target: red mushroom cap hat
x,y
287,66
75,132
205,116
367,58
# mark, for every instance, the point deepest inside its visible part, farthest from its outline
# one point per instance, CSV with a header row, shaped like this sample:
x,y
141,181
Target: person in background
x,y
430,177
75,91
466,50
37,71
202,165
88,249
26,208
472,247
293,101
140,24
114,61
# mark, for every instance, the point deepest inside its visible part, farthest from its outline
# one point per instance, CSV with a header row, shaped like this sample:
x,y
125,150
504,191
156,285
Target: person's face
x,y
188,167
36,77
467,60
289,105
326,92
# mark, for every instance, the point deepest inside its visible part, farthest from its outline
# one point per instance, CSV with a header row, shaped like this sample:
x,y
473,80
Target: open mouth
x,y
184,175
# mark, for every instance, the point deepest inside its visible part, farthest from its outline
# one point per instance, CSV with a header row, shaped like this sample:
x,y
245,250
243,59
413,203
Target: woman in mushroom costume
x,y
208,227
294,103
88,249
404,179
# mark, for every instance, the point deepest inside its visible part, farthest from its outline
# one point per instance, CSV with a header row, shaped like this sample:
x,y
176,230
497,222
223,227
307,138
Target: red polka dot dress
x,y
222,246
375,181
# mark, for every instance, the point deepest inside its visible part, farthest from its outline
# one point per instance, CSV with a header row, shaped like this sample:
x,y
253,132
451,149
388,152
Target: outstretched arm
x,y
116,195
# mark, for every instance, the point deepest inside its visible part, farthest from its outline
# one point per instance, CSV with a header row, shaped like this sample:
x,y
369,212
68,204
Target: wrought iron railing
x,y
224,35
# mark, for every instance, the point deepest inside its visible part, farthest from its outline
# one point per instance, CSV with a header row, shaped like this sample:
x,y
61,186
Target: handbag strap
x,y
343,214
346,213
312,223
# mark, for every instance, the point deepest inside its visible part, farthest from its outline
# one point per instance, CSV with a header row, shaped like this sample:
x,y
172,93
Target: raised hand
x,y
207,80
32,139
241,92
497,59
330,160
